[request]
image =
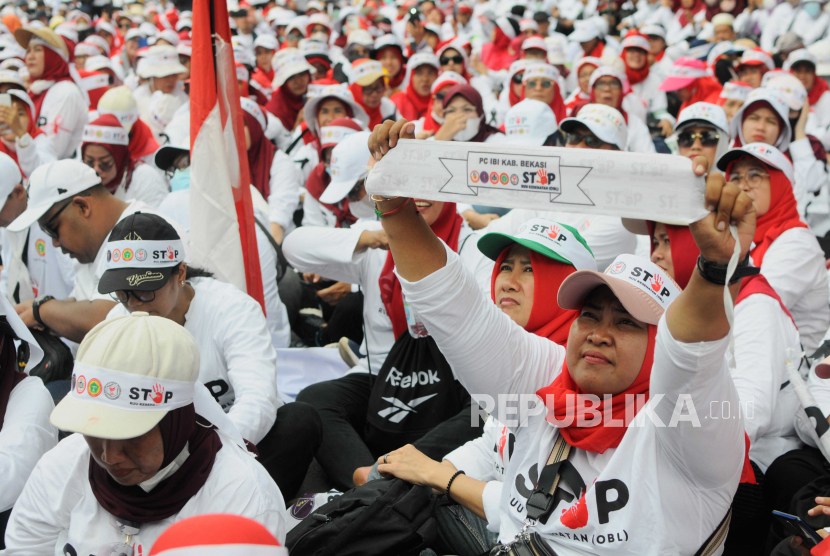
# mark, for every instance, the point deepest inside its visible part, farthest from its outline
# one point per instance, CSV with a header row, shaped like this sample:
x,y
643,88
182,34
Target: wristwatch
x,y
24,141
36,308
716,273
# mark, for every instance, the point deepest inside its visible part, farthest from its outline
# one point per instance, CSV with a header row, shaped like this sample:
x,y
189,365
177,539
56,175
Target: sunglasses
x,y
457,59
517,78
47,228
122,296
591,141
686,139
440,96
544,83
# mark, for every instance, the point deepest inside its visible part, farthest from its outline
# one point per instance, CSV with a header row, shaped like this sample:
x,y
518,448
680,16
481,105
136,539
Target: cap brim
x,y
568,125
116,279
101,421
336,191
369,79
729,156
674,83
576,288
494,243
31,214
581,36
166,155
638,227
165,70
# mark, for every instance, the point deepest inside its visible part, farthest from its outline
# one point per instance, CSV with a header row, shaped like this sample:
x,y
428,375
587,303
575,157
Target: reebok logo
x,y
400,410
397,378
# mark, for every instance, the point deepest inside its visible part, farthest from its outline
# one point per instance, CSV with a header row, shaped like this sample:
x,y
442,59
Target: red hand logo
x,y
158,392
170,253
576,516
543,177
554,232
656,283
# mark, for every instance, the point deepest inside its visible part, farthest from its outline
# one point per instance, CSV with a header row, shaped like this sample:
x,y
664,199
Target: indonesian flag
x,y
222,228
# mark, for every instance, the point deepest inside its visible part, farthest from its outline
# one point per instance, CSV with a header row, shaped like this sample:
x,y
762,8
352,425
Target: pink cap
x,y
683,73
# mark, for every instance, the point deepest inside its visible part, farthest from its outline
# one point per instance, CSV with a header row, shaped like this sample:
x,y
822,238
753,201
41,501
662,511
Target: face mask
x,y
468,132
364,208
181,180
437,119
812,9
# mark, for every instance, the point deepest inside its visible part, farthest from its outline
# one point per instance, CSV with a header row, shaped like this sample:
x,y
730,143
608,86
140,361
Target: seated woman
x,y
426,126
732,97
25,404
421,72
388,50
22,140
237,358
584,68
541,82
530,265
106,150
610,87
147,452
644,82
511,94
796,272
627,340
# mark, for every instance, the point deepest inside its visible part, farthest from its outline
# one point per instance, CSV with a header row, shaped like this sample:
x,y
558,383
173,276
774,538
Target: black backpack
x,y
381,518
57,362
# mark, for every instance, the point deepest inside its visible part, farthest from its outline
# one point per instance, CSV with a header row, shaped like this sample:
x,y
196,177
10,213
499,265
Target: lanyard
x,y
542,500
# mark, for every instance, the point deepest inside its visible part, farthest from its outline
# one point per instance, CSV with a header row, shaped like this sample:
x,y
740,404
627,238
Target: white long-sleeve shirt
x,y
63,116
794,267
763,333
287,181
40,150
238,363
58,509
47,271
672,485
785,18
147,185
26,435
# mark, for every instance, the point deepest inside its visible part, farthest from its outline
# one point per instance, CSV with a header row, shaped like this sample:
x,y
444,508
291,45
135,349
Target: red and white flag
x,y
222,226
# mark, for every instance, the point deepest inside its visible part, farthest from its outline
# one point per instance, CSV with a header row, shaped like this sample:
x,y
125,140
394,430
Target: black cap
x,y
138,227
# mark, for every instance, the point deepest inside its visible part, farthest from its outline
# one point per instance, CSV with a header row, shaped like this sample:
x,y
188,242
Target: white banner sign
x,y
632,185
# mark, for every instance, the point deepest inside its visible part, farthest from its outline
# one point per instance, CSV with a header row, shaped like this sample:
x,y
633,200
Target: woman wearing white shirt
x,y
672,485
23,140
145,272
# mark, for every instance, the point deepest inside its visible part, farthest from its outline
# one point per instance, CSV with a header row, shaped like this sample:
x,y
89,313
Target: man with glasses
x,y
71,206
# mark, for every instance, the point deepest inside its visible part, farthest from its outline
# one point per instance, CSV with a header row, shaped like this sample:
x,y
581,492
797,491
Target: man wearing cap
x,y
803,64
69,203
245,19
161,67
152,448
32,266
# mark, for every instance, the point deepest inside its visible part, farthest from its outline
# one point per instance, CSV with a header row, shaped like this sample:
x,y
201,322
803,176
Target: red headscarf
x,y
31,129
395,80
55,69
179,428
121,153
447,227
260,155
593,100
678,8
429,122
142,142
317,182
95,93
634,76
375,115
285,105
781,216
547,319
9,376
819,88
556,104
704,89
411,105
496,55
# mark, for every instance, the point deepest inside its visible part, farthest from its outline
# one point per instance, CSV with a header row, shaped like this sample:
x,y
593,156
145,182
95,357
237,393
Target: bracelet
x,y
456,474
393,211
716,273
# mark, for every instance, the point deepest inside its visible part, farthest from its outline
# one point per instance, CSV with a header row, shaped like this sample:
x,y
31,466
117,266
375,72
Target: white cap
x,y
736,90
447,77
778,103
162,108
603,71
348,164
653,30
366,72
184,22
312,49
704,112
331,135
723,19
9,175
97,63
86,49
120,102
178,134
788,85
288,66
151,355
636,41
554,240
585,31
821,51
14,51
525,24
538,70
421,59
161,61
53,182
757,57
529,122
800,55
534,42
557,46
720,49
268,42
252,108
764,153
168,35
11,76
134,33
603,121
361,37
99,42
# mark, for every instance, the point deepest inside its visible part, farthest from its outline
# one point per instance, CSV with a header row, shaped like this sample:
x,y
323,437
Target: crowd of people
x,y
143,404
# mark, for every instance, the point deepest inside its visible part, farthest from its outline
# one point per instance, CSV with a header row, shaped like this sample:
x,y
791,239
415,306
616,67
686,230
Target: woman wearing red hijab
x,y
784,248
453,57
434,117
23,141
689,79
497,54
421,71
644,82
585,67
368,87
292,77
688,20
636,337
389,52
610,87
60,106
541,82
105,149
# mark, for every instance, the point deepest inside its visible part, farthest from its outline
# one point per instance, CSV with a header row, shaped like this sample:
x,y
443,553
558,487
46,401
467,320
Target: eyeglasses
x,y
608,84
544,83
457,59
47,227
591,141
374,89
686,139
517,78
440,96
295,36
754,178
125,26
103,166
122,296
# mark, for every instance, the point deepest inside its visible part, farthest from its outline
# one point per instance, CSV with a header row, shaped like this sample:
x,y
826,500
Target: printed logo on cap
x,y
557,238
81,385
112,390
106,135
646,276
140,392
303,507
94,388
149,276
366,68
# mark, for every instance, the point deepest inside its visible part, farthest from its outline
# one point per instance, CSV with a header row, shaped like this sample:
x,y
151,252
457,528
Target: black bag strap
x,y
297,140
717,537
282,262
540,503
